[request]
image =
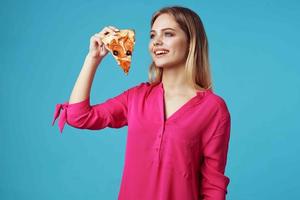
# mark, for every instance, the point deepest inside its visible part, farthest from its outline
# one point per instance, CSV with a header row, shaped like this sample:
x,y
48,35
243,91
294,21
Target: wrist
x,y
93,58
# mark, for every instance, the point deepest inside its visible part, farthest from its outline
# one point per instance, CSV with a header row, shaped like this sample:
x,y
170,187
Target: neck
x,y
174,81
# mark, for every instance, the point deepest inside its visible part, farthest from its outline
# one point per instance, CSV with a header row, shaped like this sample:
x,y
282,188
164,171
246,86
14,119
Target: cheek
x,y
179,45
180,50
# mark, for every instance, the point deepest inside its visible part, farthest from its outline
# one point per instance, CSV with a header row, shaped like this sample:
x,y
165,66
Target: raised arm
x,y
78,112
97,51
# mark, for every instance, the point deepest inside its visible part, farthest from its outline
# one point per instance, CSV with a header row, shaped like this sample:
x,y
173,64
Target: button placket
x,y
159,144
160,134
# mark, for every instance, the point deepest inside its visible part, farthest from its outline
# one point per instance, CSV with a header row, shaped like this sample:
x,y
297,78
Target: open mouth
x,y
160,53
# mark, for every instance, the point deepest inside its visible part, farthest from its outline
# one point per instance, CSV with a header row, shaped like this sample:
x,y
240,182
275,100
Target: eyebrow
x,y
163,29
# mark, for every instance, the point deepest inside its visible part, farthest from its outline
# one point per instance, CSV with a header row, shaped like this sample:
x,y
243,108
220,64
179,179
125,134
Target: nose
x,y
157,42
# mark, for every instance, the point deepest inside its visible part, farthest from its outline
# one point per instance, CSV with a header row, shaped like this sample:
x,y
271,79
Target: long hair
x,y
197,67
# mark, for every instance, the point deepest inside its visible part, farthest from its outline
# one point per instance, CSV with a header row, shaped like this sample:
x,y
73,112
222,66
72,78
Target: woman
x,y
178,129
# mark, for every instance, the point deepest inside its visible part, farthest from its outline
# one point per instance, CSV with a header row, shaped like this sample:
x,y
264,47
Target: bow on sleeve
x,y
63,117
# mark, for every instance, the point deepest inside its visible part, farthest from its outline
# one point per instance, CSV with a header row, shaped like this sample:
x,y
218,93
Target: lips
x,y
159,49
160,52
159,56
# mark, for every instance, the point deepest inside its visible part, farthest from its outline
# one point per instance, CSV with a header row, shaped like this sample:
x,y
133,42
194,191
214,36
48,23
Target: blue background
x,y
254,52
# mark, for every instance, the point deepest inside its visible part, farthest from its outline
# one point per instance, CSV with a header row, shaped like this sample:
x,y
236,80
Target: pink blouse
x,y
182,157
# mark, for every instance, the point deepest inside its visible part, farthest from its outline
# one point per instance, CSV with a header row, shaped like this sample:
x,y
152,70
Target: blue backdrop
x,y
254,52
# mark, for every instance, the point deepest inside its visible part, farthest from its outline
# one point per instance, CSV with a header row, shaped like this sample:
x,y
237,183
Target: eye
x,y
115,52
128,53
168,33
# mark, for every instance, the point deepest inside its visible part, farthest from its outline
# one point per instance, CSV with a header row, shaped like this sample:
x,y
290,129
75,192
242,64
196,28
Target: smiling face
x,y
171,42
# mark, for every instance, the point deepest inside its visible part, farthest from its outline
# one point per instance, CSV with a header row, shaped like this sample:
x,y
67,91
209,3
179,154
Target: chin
x,y
162,63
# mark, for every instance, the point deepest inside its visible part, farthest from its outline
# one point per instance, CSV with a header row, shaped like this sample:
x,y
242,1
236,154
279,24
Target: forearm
x,y
82,87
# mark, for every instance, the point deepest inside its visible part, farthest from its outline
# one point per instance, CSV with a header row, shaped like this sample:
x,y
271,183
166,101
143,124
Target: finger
x,y
93,43
98,39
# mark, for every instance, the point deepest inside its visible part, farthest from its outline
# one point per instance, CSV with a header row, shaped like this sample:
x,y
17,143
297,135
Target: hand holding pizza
x,y
120,43
97,49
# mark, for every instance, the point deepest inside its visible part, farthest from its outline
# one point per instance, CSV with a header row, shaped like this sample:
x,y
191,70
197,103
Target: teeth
x,y
160,52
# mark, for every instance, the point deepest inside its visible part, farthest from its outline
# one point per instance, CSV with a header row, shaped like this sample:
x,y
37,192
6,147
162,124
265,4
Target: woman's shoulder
x,y
143,90
140,87
219,103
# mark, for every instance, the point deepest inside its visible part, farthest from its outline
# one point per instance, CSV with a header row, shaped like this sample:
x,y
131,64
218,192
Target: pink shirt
x,y
179,158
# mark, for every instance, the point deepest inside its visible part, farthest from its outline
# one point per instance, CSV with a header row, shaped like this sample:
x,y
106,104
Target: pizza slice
x,y
121,44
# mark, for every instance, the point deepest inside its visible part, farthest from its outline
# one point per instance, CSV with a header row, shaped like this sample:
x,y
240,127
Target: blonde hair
x,y
197,67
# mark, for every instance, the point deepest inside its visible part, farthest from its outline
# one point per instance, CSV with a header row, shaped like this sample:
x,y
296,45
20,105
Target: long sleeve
x,y
111,113
214,183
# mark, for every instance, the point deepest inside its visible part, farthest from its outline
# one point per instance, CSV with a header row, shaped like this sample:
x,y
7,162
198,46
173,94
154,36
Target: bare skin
x,y
177,90
97,51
